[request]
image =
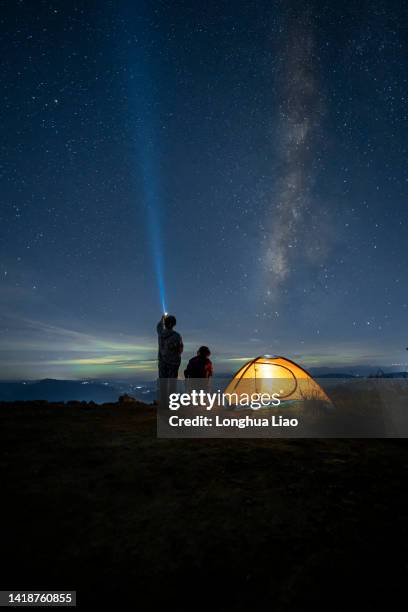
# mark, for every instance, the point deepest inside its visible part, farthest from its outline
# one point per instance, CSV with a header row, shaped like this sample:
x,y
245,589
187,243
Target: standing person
x,y
170,349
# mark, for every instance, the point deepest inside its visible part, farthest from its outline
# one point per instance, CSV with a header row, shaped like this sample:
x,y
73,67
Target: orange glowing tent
x,y
267,374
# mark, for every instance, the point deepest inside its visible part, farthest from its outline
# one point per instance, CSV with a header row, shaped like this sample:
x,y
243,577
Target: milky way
x,y
293,233
267,141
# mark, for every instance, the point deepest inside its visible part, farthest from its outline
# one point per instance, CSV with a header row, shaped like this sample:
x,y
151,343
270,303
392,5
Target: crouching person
x,y
199,371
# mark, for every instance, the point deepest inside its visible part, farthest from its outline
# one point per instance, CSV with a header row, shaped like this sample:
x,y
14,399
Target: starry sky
x,y
247,161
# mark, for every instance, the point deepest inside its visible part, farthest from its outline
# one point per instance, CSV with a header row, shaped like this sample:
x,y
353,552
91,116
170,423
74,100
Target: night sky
x,y
246,159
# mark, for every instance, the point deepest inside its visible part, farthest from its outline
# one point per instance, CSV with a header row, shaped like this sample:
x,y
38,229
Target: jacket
x,y
170,345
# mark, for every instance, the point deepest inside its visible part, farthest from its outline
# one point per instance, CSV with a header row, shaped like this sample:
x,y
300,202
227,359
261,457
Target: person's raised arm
x,y
160,325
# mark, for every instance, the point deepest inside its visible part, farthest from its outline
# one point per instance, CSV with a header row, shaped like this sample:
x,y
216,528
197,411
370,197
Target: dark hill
x,y
93,501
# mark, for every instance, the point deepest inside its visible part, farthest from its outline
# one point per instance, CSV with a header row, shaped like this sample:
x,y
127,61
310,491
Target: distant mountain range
x,y
100,391
352,371
336,375
83,390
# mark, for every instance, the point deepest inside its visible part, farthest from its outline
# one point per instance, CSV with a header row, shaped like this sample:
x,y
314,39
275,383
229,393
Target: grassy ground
x,y
93,501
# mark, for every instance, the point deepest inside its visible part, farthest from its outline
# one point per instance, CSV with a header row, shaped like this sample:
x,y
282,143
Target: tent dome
x,y
267,374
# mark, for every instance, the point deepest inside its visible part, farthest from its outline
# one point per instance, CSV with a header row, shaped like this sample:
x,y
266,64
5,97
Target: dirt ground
x,y
92,501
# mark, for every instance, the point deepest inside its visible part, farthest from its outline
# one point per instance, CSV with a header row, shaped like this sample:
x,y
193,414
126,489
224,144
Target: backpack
x,y
171,347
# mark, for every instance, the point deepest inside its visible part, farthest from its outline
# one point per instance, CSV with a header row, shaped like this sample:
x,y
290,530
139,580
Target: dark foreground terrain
x,y
92,501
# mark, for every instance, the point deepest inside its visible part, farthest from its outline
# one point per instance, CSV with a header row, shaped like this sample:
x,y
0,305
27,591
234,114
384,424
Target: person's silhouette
x,y
170,347
200,366
169,355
